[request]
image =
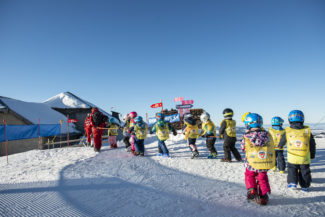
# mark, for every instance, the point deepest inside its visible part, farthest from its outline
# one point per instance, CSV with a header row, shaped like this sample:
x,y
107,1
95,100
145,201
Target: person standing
x,y
227,131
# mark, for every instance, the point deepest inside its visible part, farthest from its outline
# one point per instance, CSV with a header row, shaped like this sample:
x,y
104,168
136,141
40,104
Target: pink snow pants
x,y
112,140
251,178
132,142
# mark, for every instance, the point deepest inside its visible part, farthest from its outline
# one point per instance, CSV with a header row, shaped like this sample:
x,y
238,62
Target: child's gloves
x,y
174,133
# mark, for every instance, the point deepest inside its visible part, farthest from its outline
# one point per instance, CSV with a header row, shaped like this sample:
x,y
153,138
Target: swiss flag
x,y
156,105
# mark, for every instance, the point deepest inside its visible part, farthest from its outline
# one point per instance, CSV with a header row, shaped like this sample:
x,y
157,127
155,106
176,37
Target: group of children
x,y
263,149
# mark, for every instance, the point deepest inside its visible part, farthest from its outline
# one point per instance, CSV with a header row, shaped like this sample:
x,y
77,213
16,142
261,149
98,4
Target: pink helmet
x,y
133,114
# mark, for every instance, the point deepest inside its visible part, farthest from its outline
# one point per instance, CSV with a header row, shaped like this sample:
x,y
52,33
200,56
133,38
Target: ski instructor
x,y
98,122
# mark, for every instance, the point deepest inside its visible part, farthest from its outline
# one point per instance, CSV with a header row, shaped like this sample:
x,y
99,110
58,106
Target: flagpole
x,y
162,106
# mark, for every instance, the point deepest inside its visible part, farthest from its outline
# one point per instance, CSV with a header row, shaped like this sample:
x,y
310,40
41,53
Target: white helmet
x,y
126,117
204,117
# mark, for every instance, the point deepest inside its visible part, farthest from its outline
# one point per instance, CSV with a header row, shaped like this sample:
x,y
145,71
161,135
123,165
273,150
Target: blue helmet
x,y
253,120
112,120
296,116
138,119
277,121
160,116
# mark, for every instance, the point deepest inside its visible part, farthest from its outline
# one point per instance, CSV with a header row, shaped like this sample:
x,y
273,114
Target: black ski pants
x,y
210,145
299,174
229,147
126,140
280,161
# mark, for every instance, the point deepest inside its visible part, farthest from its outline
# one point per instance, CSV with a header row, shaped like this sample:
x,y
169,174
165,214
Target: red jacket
x,y
88,122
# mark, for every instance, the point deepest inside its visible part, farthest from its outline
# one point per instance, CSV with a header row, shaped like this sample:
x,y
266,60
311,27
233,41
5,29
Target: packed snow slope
x,y
80,182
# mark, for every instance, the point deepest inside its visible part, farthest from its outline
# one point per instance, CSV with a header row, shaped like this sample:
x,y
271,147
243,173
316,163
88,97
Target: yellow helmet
x,y
244,116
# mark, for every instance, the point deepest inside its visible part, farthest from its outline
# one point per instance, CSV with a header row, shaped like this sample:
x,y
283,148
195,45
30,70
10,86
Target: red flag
x,y
187,102
178,99
72,120
156,105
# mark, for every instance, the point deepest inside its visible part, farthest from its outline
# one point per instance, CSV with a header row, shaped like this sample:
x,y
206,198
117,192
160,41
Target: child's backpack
x,y
99,118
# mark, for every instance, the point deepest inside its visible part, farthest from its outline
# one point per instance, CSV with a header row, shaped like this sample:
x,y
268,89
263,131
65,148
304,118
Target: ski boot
x,y
141,154
292,186
264,199
225,160
282,171
160,154
212,156
166,155
97,149
195,154
274,168
305,189
251,193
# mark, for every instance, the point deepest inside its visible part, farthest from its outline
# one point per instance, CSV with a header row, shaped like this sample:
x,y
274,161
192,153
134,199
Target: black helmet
x,y
228,112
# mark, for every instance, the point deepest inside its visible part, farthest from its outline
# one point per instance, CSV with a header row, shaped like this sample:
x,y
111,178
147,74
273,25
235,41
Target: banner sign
x,y
172,118
156,105
178,99
72,120
169,118
183,106
187,102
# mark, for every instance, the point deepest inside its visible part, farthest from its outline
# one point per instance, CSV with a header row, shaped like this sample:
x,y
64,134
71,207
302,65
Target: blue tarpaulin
x,y
17,132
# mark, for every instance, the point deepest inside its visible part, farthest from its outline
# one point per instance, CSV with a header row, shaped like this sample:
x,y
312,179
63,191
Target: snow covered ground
x,y
80,182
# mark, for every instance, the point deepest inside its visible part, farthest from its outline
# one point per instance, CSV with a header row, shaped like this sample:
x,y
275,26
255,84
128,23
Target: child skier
x,y
276,131
162,130
301,148
260,156
191,131
209,131
139,131
227,131
126,134
112,132
132,116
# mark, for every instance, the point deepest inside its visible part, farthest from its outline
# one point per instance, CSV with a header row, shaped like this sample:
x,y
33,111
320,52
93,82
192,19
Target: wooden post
x,y
68,130
39,134
61,121
6,142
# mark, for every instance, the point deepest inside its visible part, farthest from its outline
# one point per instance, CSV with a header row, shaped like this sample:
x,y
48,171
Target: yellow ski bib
x,y
208,126
298,141
260,158
276,136
162,132
192,131
113,130
141,133
231,128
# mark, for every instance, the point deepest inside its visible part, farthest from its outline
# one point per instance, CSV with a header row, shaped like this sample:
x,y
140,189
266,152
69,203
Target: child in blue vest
x,y
301,148
276,131
140,133
162,130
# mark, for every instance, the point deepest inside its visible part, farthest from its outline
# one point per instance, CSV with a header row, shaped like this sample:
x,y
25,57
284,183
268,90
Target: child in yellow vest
x,y
162,129
227,131
209,132
276,131
191,131
260,157
112,132
139,131
301,148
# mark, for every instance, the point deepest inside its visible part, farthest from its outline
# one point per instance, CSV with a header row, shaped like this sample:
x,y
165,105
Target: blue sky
x,y
260,56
